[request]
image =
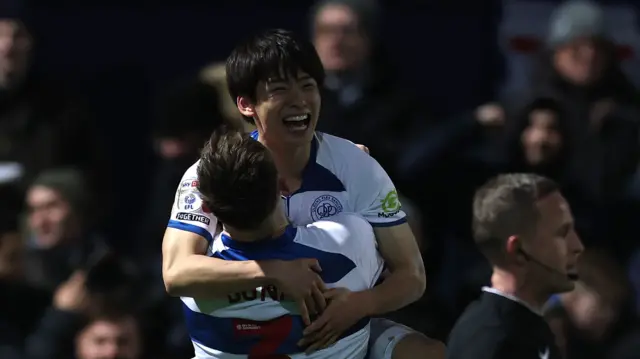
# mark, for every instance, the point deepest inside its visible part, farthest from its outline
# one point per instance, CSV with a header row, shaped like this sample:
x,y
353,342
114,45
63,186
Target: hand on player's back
x,y
300,281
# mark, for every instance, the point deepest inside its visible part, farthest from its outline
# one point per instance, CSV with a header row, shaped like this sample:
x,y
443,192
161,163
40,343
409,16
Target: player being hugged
x,y
238,182
274,78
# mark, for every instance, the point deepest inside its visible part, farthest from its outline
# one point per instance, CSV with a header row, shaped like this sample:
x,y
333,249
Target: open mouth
x,y
572,273
298,122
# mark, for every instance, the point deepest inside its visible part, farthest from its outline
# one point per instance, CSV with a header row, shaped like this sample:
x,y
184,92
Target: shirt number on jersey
x,y
272,335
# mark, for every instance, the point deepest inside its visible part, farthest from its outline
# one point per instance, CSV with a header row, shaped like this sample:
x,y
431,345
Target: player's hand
x,y
300,281
342,312
364,148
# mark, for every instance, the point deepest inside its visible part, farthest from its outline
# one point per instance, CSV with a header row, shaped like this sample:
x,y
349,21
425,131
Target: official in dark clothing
x,y
524,226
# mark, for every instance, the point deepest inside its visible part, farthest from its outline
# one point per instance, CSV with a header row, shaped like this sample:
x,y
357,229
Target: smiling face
x,y
286,108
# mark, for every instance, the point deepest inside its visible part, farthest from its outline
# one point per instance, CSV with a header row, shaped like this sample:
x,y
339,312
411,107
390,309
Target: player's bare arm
x,y
188,272
406,281
397,244
405,284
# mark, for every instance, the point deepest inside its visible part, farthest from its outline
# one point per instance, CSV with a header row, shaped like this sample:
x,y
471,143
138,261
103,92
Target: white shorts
x,y
385,335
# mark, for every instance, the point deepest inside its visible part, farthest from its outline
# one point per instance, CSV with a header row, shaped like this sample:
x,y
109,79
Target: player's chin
x,y
298,137
565,286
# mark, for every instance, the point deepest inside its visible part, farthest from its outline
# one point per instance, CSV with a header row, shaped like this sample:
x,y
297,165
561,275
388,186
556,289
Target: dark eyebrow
x,y
304,77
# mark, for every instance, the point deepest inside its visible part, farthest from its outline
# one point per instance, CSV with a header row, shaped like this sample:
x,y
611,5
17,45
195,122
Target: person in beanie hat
x,y
578,28
581,70
59,227
58,201
575,20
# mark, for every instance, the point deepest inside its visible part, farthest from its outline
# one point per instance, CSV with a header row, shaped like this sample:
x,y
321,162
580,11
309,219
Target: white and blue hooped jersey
x,y
339,177
263,323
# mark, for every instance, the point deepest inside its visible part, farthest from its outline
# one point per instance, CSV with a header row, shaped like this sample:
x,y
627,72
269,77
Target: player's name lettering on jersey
x,y
262,294
192,217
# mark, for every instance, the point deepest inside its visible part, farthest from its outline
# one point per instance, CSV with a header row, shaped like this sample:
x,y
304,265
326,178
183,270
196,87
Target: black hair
x,y
273,52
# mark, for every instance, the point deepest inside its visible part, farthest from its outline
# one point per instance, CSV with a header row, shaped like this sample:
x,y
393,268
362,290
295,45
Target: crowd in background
x,y
73,285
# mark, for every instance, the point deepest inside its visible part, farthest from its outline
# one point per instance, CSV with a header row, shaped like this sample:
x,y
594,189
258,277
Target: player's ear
x,y
245,106
513,247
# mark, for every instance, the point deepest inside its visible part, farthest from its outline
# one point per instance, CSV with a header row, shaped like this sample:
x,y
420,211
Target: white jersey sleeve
x,y
370,189
188,212
368,260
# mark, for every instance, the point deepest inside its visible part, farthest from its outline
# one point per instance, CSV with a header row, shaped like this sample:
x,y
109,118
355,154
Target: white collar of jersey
x,y
262,244
307,172
315,142
511,297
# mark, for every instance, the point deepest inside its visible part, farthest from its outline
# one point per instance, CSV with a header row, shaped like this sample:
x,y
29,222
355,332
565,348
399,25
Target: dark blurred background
x,y
104,106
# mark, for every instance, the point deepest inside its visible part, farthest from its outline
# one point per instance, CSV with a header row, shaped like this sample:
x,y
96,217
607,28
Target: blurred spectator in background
x,y
363,99
77,323
536,141
590,321
59,229
581,70
579,124
110,336
66,255
186,114
23,304
215,75
40,127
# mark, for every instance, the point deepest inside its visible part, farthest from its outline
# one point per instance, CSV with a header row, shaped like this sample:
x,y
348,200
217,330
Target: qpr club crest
x,y
325,206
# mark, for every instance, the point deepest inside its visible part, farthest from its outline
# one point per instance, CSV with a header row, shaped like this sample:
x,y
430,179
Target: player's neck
x,y
290,160
509,284
272,227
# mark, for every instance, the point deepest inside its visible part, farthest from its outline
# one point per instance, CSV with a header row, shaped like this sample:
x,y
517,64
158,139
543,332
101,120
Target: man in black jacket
x,y
524,226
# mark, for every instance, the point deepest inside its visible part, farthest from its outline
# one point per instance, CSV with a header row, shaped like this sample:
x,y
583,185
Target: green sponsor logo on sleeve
x,y
390,204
